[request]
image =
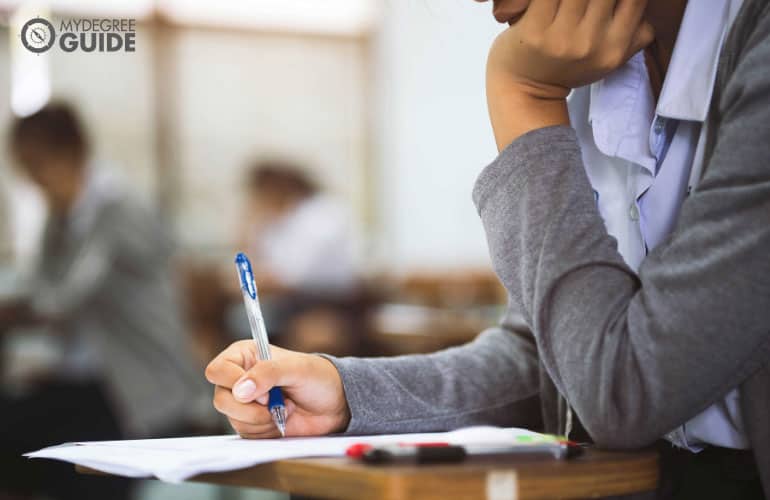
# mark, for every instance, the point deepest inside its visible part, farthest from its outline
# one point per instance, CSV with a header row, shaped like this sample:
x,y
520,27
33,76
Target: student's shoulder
x,y
124,206
135,229
743,74
750,32
127,217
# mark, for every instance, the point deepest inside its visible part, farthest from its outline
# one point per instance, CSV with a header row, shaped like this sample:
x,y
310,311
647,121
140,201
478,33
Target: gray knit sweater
x,y
635,355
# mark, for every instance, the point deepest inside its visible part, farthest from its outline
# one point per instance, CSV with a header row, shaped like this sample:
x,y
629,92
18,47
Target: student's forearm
x,y
516,108
493,380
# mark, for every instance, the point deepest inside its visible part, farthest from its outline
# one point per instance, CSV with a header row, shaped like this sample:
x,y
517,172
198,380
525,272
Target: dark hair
x,y
281,176
55,127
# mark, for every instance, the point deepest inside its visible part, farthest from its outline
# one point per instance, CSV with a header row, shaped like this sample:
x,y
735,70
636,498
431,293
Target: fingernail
x,y
263,399
244,389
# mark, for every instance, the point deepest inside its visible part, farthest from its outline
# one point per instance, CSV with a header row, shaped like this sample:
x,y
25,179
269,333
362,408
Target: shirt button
x,y
633,212
660,123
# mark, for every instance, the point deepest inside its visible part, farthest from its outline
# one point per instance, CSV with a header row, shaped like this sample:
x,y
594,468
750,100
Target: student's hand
x,y
558,45
312,389
554,47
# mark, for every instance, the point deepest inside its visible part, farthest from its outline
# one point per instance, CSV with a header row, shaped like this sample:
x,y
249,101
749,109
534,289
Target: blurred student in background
x,y
302,244
300,237
103,287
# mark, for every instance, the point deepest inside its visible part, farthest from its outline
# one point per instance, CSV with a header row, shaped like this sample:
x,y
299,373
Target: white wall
x,y
113,94
432,133
243,95
238,94
21,208
6,222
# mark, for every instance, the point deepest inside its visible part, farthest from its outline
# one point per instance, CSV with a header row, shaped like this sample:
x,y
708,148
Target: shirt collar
x,y
621,107
620,110
689,82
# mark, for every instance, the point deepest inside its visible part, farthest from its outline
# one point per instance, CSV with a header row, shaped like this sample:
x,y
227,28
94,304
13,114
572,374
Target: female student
x,y
631,229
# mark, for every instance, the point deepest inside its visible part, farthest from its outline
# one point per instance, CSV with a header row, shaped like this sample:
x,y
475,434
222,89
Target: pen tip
x,y
279,417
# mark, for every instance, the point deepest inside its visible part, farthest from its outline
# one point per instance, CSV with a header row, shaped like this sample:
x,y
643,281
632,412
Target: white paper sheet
x,y
177,459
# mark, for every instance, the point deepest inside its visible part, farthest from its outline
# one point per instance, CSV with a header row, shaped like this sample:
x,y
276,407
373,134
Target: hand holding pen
x,y
315,401
275,402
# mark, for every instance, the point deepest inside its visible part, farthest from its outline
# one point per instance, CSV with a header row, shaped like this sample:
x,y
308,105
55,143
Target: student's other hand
x,y
557,45
312,389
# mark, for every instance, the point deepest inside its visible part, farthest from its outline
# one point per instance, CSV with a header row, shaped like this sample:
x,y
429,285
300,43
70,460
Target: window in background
x,y
30,80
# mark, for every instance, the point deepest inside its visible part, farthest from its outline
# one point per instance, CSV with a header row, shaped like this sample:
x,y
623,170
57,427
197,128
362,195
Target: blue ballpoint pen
x,y
258,331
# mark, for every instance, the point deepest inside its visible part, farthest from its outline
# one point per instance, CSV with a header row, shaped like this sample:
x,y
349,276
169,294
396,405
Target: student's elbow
x,y
622,412
621,437
618,430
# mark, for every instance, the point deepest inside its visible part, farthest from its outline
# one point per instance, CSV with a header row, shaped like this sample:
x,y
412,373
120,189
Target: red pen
x,y
417,453
428,452
440,452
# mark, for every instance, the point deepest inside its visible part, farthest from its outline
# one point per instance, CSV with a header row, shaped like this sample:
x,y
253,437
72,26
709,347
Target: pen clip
x,y
247,277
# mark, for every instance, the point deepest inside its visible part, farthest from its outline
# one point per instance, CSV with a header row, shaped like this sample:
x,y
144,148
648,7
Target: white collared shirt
x,y
311,248
642,160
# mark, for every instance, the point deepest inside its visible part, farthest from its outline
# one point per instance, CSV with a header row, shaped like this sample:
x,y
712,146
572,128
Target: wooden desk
x,y
595,474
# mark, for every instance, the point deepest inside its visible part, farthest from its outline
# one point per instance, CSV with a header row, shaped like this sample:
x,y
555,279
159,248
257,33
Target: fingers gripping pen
x,y
259,333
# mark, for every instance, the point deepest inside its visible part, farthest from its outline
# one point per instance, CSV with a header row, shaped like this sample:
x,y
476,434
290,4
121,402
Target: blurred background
x,y
335,143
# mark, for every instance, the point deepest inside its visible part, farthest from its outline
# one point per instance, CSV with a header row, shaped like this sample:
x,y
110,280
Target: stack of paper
x,y
177,459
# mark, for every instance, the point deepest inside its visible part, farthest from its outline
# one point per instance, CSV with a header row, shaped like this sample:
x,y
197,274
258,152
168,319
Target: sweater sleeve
x,y
638,355
492,380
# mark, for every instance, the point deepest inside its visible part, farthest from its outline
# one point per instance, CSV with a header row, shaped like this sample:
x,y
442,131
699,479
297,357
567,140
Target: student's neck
x,y
77,184
665,17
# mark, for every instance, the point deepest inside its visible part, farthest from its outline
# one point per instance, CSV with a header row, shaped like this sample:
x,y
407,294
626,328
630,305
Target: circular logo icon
x,y
38,35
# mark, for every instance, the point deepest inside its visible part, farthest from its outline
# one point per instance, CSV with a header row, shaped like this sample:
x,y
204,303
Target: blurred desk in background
x,y
425,311
417,312
403,329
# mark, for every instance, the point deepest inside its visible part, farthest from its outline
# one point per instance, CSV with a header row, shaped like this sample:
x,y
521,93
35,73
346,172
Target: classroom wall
x,y
432,132
232,95
394,123
21,207
6,222
114,95
242,95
